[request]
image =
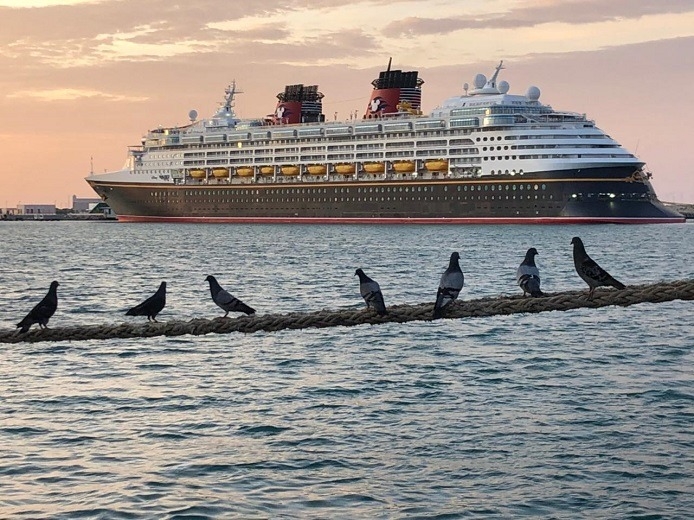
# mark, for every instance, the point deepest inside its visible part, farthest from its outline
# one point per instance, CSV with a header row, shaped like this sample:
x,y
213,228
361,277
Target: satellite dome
x,y
533,93
503,87
480,80
193,115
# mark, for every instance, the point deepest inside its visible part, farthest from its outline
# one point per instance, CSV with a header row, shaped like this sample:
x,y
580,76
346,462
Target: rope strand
x,y
502,305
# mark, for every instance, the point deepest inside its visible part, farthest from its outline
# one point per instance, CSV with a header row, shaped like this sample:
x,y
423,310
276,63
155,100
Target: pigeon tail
x,y
375,300
246,309
25,325
444,297
531,284
616,283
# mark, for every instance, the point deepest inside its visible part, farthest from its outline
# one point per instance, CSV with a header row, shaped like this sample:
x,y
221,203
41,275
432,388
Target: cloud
x,y
71,94
534,13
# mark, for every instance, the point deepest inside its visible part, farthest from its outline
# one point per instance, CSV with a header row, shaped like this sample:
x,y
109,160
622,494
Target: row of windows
x,y
541,136
375,199
371,189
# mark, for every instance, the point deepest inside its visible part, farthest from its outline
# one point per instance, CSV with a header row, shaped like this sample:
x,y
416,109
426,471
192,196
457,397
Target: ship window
x,y
544,187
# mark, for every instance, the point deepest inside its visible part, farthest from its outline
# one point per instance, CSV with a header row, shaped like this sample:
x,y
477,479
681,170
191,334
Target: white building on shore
x,y
35,209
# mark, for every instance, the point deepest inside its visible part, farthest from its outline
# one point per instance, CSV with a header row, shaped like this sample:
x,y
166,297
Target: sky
x,y
84,79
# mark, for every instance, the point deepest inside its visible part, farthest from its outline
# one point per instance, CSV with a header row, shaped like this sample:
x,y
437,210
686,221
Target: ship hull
x,y
598,195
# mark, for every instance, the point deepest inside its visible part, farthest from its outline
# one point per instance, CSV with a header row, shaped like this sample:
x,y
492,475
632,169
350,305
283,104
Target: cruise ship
x,y
483,156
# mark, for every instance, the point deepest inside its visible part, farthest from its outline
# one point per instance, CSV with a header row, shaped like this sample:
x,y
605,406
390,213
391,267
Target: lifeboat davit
x,y
244,171
198,173
436,165
316,169
220,172
374,167
267,170
290,170
403,166
345,169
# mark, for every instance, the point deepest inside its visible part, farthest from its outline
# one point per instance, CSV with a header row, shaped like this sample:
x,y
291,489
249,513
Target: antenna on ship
x,y
91,165
492,80
390,60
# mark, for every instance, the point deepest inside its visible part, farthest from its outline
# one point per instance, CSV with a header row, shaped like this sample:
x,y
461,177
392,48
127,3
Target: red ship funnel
x,y
393,91
298,104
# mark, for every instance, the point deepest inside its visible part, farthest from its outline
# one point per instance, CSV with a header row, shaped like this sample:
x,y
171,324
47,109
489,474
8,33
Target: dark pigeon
x,y
43,310
151,306
528,275
451,284
371,292
591,272
226,301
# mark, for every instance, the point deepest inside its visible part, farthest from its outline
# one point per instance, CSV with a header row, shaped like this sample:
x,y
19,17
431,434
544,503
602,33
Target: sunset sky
x,y
85,79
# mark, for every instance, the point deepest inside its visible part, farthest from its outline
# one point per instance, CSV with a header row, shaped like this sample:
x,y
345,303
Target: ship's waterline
x,y
483,157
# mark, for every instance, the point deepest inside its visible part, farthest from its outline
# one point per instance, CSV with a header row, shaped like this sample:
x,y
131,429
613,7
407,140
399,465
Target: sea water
x,y
577,414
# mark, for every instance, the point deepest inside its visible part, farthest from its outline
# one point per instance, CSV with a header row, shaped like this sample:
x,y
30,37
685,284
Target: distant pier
x,y
685,209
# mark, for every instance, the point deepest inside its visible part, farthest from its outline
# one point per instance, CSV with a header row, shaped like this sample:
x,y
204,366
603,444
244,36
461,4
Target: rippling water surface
x,y
577,414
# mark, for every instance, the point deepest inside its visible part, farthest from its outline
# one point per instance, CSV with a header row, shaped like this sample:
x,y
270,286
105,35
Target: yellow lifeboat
x,y
316,169
374,167
244,171
290,169
267,170
345,169
436,165
198,173
220,172
403,166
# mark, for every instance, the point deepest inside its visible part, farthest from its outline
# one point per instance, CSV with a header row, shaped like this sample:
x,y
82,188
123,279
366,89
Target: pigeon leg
x,y
226,314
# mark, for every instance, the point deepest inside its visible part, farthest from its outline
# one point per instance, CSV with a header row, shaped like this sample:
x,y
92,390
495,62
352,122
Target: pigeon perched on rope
x,y
226,301
371,292
42,311
528,275
590,271
151,306
451,284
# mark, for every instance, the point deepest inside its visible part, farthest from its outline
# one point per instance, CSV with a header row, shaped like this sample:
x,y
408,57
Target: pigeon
x,y
151,306
528,275
43,311
226,301
592,273
371,292
450,285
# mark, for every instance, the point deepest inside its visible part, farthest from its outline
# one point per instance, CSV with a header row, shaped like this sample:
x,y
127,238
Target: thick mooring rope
x,y
655,293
